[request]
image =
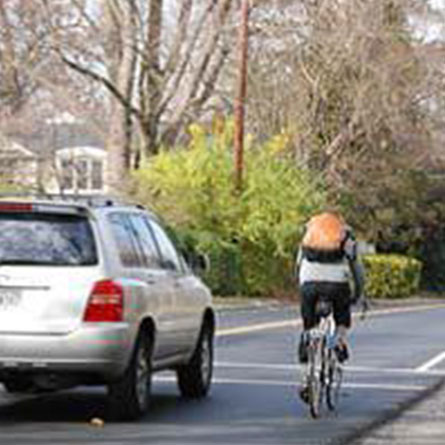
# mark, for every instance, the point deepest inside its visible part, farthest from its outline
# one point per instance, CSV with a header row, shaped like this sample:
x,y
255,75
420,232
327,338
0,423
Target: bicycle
x,y
324,372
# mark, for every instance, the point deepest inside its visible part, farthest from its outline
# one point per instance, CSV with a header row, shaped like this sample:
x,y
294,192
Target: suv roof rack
x,y
89,200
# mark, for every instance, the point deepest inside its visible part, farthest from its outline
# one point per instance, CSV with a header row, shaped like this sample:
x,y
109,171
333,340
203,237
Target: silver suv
x,y
95,292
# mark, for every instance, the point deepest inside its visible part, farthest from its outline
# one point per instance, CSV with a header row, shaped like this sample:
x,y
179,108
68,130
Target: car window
x,y
146,241
46,239
168,252
125,241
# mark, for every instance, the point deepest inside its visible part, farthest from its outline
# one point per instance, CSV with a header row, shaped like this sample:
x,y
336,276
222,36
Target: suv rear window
x,y
46,239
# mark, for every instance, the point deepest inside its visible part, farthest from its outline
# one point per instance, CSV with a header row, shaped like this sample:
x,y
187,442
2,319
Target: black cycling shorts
x,y
338,293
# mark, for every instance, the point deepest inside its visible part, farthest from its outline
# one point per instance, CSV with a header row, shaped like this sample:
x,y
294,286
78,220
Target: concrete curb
x,y
222,304
388,416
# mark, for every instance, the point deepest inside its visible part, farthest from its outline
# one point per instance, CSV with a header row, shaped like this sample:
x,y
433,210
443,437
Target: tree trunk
x,y
153,83
120,129
9,87
149,133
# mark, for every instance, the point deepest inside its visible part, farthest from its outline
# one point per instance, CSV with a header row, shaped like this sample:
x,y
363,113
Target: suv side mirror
x,y
168,264
201,263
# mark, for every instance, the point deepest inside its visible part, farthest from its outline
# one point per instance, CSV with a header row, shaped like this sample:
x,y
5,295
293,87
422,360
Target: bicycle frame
x,y
324,330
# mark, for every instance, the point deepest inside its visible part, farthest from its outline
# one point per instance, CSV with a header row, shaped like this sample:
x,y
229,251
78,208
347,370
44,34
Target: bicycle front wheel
x,y
334,381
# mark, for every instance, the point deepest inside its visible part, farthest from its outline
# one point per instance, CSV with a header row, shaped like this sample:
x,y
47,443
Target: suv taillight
x,y
106,302
16,207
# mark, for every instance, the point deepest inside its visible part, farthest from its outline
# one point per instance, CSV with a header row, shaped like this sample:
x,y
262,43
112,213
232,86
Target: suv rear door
x,y
140,260
48,262
188,310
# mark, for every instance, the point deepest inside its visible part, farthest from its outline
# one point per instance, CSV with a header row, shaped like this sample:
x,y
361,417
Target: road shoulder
x,y
420,420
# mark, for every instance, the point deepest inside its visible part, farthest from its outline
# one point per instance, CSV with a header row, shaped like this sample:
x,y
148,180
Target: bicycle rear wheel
x,y
315,380
334,381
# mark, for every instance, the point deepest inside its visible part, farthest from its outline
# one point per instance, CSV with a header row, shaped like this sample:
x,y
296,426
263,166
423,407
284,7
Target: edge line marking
x,y
297,366
431,363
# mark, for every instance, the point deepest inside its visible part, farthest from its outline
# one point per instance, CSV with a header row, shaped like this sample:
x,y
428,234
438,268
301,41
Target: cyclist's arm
x,y
298,259
356,267
358,276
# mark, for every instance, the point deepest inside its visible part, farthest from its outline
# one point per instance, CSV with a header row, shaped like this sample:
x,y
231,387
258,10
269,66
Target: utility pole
x,y
243,35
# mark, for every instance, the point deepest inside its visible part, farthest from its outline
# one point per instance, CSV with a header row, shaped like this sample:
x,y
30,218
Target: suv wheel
x,y
194,379
128,397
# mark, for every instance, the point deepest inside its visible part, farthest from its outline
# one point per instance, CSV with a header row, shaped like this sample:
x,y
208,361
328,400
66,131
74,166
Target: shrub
x,y
225,273
250,236
391,276
432,254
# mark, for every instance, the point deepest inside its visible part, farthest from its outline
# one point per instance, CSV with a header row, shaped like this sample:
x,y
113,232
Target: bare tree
x,y
348,82
23,52
159,61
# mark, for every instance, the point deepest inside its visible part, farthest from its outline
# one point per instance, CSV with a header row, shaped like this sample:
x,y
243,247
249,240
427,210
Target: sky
x,y
438,3
432,29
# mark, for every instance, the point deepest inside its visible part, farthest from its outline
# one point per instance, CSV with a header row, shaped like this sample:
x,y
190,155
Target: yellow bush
x,y
391,276
250,236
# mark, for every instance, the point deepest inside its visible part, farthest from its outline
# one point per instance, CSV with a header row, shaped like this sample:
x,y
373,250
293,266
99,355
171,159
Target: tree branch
x,y
104,81
178,74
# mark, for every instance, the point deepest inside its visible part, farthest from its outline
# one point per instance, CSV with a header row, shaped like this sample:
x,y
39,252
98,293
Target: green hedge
x,y
391,276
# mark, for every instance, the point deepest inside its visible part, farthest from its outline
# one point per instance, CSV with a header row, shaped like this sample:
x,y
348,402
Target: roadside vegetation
x,y
391,276
251,235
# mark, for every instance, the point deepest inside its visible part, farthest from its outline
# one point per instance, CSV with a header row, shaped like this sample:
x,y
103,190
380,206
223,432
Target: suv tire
x,y
195,378
128,397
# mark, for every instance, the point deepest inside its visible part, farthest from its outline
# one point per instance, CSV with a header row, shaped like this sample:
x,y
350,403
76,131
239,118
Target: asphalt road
x,y
396,356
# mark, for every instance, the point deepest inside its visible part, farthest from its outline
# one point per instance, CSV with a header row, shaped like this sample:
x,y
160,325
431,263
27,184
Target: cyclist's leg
x,y
342,316
309,298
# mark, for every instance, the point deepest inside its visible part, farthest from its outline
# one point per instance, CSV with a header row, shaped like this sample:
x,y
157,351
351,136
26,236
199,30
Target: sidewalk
x,y
422,423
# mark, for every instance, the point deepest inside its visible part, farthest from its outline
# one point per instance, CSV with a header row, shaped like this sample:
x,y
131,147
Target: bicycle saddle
x,y
323,307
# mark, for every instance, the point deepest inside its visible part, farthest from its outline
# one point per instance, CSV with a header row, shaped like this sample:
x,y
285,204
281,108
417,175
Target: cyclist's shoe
x,y
303,348
304,393
342,351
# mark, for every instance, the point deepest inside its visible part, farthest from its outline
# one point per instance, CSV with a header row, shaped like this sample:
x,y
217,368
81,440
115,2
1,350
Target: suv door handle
x,y
151,280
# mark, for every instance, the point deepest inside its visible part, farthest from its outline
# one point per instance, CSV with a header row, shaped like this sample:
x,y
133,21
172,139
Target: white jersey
x,y
313,271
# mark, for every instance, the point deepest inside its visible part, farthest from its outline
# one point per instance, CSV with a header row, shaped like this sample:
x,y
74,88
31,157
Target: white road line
x,y
431,363
297,366
258,327
387,387
284,367
265,382
297,323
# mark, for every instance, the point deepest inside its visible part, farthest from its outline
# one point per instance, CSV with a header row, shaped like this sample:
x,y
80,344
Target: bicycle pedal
x,y
304,394
342,353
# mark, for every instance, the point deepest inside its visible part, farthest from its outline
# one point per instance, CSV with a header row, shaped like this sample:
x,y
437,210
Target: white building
x,y
56,158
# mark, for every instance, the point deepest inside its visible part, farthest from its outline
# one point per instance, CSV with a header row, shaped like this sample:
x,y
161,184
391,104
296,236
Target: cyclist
x,y
326,262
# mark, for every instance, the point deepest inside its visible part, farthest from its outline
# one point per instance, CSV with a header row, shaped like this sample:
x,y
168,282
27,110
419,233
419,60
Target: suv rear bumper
x,y
97,348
